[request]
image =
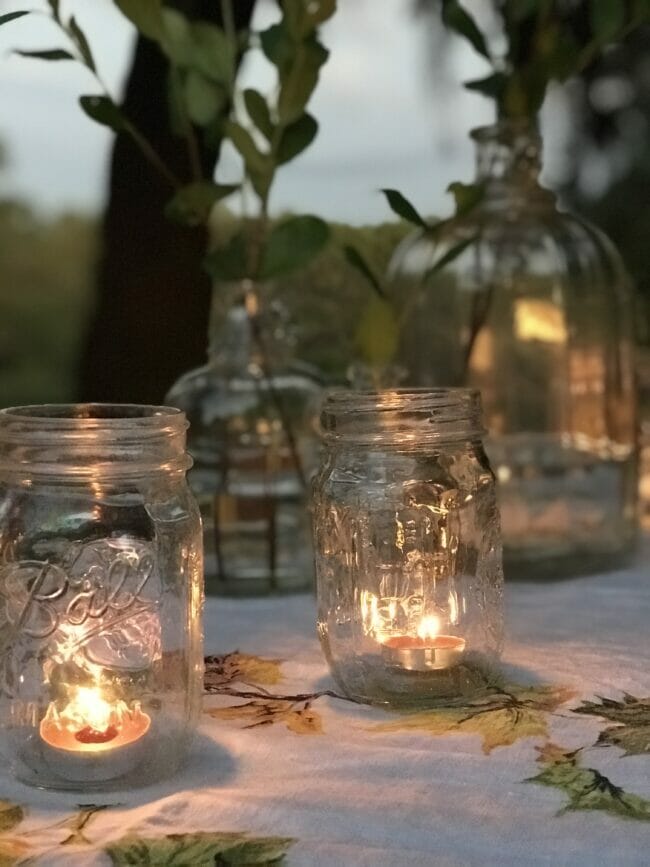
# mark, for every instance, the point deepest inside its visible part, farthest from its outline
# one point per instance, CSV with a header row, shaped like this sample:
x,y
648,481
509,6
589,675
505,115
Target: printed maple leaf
x,y
202,849
10,815
586,788
77,824
12,849
632,734
300,718
240,668
510,713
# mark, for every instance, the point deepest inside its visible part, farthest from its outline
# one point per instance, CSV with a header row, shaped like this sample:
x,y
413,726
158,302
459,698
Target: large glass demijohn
x,y
535,311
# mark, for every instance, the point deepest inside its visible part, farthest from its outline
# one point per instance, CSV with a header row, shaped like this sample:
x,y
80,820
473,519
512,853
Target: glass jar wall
x,y
535,311
407,546
252,412
100,595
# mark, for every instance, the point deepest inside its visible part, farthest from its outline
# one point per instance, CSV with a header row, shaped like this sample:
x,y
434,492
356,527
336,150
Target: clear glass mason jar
x,y
534,310
252,411
407,546
100,595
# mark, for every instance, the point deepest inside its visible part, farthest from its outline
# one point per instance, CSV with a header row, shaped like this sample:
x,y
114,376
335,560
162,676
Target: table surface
x,y
522,779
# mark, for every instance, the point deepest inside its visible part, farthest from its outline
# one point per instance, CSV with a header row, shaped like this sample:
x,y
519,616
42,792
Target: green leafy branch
x,y
204,101
379,330
546,41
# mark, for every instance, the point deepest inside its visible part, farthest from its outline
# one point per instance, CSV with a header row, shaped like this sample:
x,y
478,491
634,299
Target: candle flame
x,y
88,709
429,627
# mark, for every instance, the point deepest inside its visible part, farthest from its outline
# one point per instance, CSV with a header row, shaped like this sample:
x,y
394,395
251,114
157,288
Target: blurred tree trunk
x,y
151,314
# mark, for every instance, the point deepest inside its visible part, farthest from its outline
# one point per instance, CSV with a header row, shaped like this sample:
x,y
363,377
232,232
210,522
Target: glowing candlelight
x,y
92,738
90,724
428,650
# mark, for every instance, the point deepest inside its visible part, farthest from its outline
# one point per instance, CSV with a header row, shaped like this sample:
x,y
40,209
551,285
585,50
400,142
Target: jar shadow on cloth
x,y
504,675
209,765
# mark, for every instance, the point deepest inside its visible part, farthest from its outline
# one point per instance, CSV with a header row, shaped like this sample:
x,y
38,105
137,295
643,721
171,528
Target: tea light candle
x,y
426,651
92,738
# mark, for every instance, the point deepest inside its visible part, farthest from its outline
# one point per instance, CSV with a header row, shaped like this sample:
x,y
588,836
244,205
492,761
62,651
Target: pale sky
x,y
386,119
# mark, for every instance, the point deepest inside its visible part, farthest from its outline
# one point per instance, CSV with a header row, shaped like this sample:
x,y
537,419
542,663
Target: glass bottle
x,y
407,547
535,311
252,413
100,595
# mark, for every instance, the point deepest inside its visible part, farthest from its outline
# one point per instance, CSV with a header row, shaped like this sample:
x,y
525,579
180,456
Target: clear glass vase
x,y
535,311
407,547
252,411
100,595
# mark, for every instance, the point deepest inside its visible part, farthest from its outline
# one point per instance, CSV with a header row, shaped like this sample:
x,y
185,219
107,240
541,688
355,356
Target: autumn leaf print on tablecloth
x,y
586,788
507,714
632,717
236,667
298,717
202,849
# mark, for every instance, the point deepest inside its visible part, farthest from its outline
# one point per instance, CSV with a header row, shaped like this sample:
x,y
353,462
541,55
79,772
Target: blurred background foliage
x,y
48,264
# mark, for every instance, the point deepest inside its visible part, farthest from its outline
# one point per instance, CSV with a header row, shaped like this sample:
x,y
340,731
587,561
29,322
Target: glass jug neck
x,y
402,417
245,334
509,159
230,333
92,441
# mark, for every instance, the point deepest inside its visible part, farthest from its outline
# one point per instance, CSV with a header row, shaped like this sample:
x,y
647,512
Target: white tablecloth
x,y
341,784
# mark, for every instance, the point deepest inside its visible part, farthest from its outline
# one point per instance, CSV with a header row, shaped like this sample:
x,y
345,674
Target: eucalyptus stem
x,y
149,153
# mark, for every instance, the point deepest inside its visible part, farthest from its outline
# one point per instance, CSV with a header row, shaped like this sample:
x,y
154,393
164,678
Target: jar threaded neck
x,y
402,416
88,440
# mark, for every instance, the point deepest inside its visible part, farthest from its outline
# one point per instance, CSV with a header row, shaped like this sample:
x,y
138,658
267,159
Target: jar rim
x,y
92,439
75,415
402,415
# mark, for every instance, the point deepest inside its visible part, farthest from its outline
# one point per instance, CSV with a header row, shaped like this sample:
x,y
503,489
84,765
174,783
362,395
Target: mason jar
x,y
407,546
100,595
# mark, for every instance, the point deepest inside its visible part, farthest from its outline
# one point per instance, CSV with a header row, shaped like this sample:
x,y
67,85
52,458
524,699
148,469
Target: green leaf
x,y
176,40
586,788
245,144
81,42
52,54
606,17
403,208
277,45
258,111
466,196
104,111
461,22
211,52
201,849
356,259
192,204
493,85
296,137
319,11
292,244
304,16
229,262
12,16
377,336
204,99
451,254
145,15
259,166
10,815
299,80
